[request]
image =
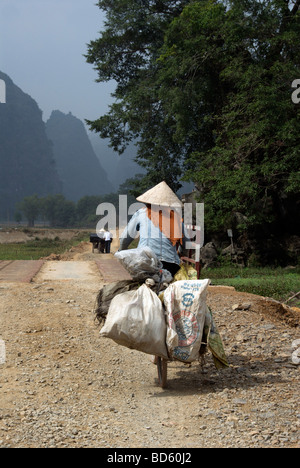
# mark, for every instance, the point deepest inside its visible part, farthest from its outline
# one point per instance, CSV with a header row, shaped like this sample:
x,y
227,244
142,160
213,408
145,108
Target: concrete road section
x,y
112,270
70,270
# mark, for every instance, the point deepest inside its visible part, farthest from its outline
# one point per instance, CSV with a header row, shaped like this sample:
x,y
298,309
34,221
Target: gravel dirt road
x,y
64,386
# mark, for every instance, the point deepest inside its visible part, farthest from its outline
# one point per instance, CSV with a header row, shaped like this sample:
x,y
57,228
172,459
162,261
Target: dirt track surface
x,y
64,386
12,236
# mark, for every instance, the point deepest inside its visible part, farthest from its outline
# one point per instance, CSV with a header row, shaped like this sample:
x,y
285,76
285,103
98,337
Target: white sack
x,y
185,303
136,320
142,263
296,357
296,352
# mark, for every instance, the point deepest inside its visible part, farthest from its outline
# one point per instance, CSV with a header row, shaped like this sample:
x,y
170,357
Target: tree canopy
x,y
127,52
205,88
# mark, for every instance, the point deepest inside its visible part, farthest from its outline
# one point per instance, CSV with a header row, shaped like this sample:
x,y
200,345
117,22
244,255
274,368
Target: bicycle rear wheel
x,y
162,370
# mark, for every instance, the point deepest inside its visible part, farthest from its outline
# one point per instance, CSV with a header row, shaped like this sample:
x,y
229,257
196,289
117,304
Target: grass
x,y
278,283
38,248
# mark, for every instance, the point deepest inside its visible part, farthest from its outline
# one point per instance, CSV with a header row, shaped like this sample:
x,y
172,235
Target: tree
x,y
18,217
205,87
30,207
226,77
127,52
59,211
86,210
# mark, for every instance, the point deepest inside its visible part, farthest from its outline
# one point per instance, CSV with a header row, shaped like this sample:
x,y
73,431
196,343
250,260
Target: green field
x,y
38,248
278,283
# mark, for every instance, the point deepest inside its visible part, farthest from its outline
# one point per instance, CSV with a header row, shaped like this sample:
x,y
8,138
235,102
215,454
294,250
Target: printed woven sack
x,y
185,303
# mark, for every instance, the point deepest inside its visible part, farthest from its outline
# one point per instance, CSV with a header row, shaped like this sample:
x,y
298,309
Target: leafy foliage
x,y
236,65
31,207
60,212
205,88
127,52
53,208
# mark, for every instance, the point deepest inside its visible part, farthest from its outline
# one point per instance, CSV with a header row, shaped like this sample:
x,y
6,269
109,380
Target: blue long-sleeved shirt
x,y
150,236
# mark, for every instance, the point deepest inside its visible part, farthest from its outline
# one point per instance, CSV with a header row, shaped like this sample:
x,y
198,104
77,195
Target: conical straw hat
x,y
161,195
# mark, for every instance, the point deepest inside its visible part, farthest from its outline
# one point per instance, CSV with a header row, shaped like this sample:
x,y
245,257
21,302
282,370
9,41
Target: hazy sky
x,y
42,43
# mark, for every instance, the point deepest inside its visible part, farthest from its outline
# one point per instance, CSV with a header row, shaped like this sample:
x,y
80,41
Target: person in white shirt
x,y
108,240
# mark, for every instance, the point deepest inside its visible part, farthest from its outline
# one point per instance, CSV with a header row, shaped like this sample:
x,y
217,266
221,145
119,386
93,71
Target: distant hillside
x,y
121,168
77,164
118,168
26,159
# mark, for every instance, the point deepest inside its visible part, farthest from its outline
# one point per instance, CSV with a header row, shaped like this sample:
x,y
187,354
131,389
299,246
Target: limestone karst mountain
x,y
27,165
77,165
